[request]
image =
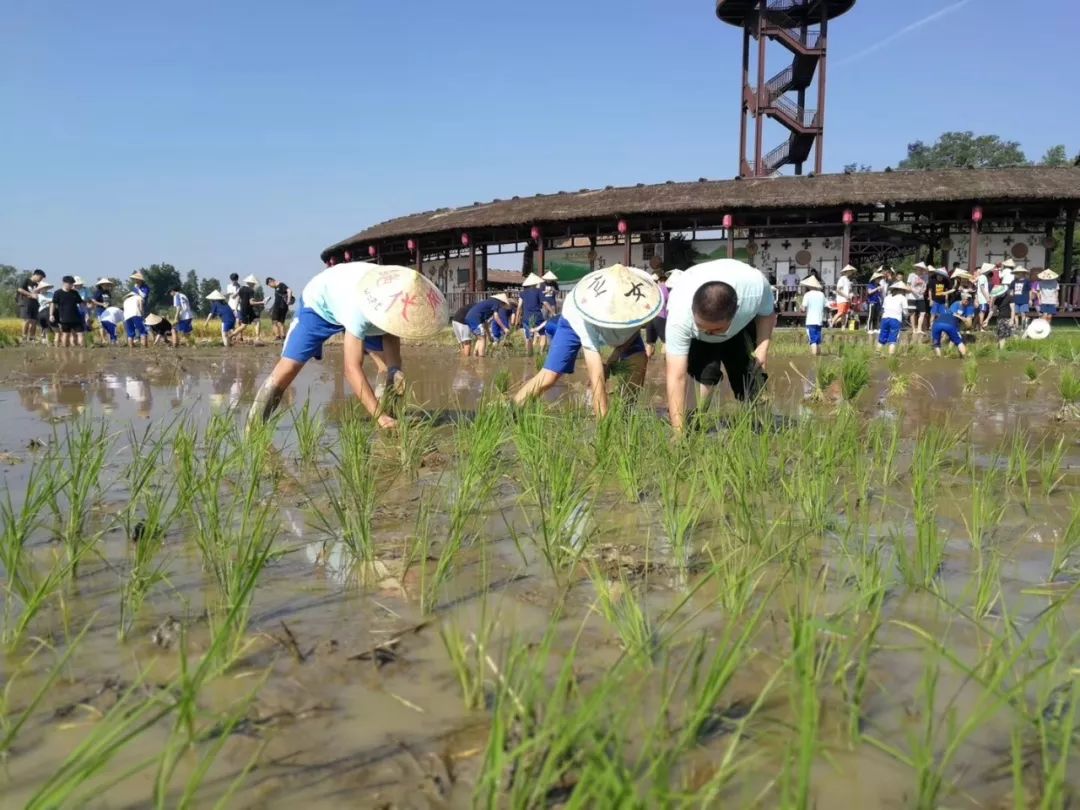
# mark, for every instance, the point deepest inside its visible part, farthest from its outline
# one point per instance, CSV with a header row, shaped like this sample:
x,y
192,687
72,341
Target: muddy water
x,y
356,701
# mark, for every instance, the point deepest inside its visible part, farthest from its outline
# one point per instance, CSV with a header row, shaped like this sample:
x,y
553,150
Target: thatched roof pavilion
x,y
923,205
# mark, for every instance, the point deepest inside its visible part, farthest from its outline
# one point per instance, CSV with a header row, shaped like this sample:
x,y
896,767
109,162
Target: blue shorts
x,y
529,322
307,334
373,343
937,309
110,330
227,325
814,334
551,326
476,327
565,346
889,332
135,327
1048,309
496,331
1022,309
950,331
184,327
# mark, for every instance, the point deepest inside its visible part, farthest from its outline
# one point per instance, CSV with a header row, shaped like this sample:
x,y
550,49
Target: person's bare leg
x,y
892,349
540,383
481,346
466,348
962,348
269,396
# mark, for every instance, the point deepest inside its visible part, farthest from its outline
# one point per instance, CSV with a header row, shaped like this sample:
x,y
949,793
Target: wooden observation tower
x,y
801,27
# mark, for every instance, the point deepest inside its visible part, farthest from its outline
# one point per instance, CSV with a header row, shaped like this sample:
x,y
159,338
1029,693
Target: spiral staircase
x,y
800,27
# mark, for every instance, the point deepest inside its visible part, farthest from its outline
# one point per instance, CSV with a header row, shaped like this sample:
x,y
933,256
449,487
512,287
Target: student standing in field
x,y
45,322
365,302
606,309
1048,294
917,281
100,300
550,294
219,308
142,289
531,309
134,326
843,297
1021,296
461,329
813,304
982,296
875,294
1001,298
720,320
279,310
26,297
480,313
183,318
893,310
232,293
245,312
66,311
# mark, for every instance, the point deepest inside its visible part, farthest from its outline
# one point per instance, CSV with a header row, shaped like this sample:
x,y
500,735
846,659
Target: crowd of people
x,y
937,302
73,313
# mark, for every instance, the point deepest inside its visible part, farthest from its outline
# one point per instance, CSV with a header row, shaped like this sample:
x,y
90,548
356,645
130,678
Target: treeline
x,y
159,277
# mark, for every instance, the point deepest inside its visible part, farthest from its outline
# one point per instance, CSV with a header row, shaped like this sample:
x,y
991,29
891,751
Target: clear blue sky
x,y
247,136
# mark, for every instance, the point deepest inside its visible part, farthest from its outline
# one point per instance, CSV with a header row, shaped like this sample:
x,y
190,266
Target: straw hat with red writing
x,y
617,297
401,302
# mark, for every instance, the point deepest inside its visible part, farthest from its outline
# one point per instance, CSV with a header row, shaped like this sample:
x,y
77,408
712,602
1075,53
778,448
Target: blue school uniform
x,y
328,306
574,333
948,325
532,310
1021,295
480,313
228,318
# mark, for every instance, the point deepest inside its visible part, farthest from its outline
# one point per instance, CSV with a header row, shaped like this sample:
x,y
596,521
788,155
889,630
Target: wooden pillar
x,y
819,145
758,118
483,267
1070,228
629,240
1048,252
472,268
731,242
973,245
946,255
540,255
846,258
743,162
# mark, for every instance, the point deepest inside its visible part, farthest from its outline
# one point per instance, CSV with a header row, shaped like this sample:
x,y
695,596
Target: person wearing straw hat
x,y
505,314
939,290
85,309
1048,294
134,326
363,301
43,291
141,288
531,311
26,298
656,329
66,311
1021,296
893,310
482,314
982,296
947,324
843,296
876,291
1008,268
100,300
183,316
550,294
219,308
161,328
606,309
245,308
813,304
721,317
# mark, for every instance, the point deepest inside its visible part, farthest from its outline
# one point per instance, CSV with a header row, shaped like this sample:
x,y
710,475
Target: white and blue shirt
x,y
183,307
752,290
334,297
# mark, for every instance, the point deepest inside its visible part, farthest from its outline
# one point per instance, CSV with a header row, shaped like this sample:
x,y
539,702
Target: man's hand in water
x,y
387,422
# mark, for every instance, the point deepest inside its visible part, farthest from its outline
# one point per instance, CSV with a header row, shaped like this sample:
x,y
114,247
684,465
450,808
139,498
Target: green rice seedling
x,y
987,506
899,384
82,452
853,654
1050,460
623,441
538,362
17,527
469,655
500,380
352,492
971,375
828,372
1065,551
987,583
1031,372
310,427
893,365
854,375
1056,726
1069,388
682,502
921,564
625,611
1019,464
415,439
984,350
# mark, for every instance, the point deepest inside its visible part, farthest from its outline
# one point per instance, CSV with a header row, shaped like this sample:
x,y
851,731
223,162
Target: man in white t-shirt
x,y
982,295
721,314
232,292
813,304
917,281
843,296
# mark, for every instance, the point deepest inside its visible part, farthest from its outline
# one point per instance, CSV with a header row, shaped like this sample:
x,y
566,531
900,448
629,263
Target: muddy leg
x,y
541,382
269,396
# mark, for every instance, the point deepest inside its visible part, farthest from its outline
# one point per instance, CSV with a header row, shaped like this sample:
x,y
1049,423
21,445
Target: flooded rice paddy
x,y
817,602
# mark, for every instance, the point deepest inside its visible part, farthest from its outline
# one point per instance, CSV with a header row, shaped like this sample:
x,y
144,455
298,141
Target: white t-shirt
x,y
334,295
895,306
112,315
133,307
183,305
1006,276
232,291
1048,292
752,291
918,287
594,337
982,289
814,304
843,290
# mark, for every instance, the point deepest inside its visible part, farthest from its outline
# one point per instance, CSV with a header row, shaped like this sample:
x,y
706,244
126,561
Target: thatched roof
x,y
707,197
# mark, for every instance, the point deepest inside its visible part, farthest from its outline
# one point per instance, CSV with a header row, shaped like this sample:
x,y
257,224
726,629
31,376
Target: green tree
x,y
9,280
962,150
206,286
190,288
1055,156
160,278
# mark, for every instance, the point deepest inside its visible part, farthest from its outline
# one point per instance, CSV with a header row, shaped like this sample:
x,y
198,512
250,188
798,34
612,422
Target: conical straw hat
x,y
502,297
847,268
153,320
250,279
1047,275
215,296
811,282
401,302
899,286
962,274
549,276
986,268
43,286
617,296
1008,263
137,276
532,280
104,282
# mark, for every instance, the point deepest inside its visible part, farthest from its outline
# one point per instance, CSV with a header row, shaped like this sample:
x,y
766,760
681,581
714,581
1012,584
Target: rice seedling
x,y
682,503
147,568
81,452
971,375
1019,464
1065,550
625,610
987,584
920,564
352,492
1050,461
500,380
854,375
469,655
899,384
415,439
310,427
828,372
1031,372
1069,388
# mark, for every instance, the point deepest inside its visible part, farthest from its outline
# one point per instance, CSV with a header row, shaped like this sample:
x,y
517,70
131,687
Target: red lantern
x,y
976,214
623,226
465,239
728,222
348,256
848,217
411,245
535,232
371,251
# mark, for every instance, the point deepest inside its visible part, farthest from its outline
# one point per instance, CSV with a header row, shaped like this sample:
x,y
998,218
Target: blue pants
x,y
135,327
947,329
814,334
563,353
889,332
529,322
110,330
184,327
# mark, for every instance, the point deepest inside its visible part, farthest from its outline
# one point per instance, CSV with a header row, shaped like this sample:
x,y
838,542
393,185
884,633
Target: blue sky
x,y
249,135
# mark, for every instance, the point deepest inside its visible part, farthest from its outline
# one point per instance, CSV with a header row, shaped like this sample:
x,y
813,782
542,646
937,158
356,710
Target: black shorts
x,y
247,318
72,327
279,314
920,306
708,362
656,329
